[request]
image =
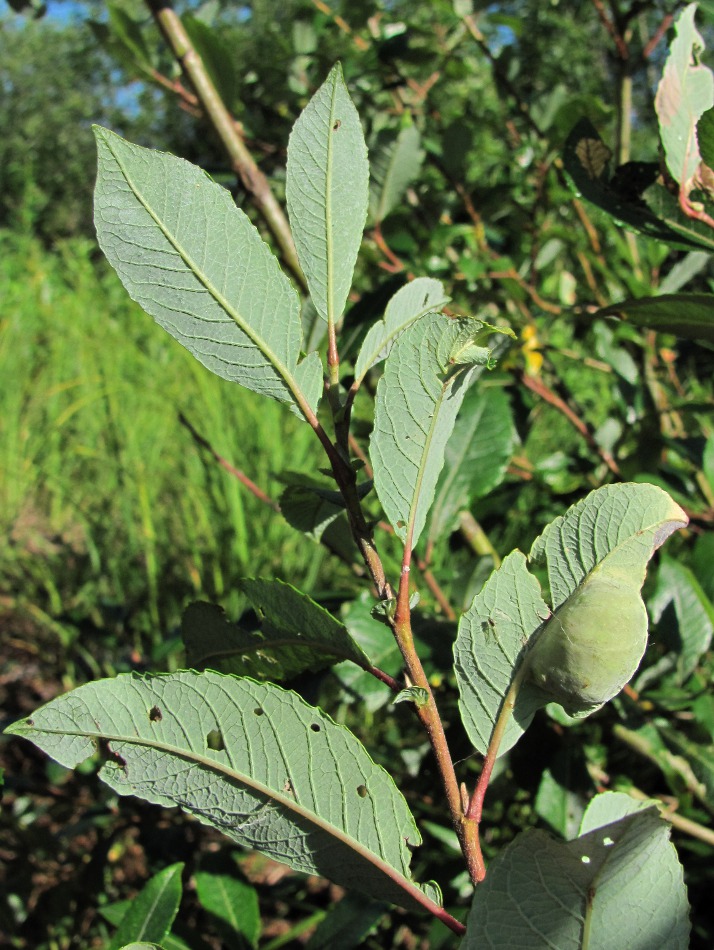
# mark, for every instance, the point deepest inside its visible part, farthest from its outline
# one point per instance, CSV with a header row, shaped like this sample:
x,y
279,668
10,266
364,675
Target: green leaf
x,y
490,648
347,924
326,190
412,694
395,164
311,506
558,805
698,758
126,39
708,462
142,946
476,456
511,654
684,94
232,904
36,8
638,201
414,300
677,585
596,555
194,261
217,54
684,270
174,942
418,398
378,641
307,508
686,315
250,759
295,635
686,231
705,137
625,523
123,38
619,884
152,911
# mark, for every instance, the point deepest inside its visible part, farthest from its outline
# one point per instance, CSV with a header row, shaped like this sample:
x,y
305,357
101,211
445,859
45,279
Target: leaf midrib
x,y
423,461
410,887
329,248
237,318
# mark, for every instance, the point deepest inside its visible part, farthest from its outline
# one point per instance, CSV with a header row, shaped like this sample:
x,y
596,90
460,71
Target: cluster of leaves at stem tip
x,y
252,758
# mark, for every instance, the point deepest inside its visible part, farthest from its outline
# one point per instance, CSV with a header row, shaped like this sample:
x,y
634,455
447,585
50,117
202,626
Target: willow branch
x,y
241,160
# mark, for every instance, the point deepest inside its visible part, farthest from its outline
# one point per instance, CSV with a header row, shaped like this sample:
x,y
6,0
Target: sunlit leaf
x,y
490,647
684,94
250,759
194,262
617,885
149,917
233,906
414,300
418,399
327,189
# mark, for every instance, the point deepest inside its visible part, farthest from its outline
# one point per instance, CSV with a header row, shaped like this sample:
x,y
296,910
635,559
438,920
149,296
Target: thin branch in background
x,y
588,226
476,538
512,274
612,29
188,101
225,464
469,22
242,162
538,387
659,34
393,264
590,278
342,24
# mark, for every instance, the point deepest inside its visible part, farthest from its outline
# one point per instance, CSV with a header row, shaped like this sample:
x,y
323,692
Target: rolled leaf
x,y
596,556
250,759
192,260
513,656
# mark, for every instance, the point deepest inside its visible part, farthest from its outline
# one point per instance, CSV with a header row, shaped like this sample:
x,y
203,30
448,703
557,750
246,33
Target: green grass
x,y
109,514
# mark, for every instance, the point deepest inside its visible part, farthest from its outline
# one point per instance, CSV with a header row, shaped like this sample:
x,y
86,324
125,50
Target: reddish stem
x,y
539,387
231,469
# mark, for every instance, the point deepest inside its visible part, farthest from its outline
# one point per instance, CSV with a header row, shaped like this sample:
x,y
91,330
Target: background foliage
x,y
112,518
